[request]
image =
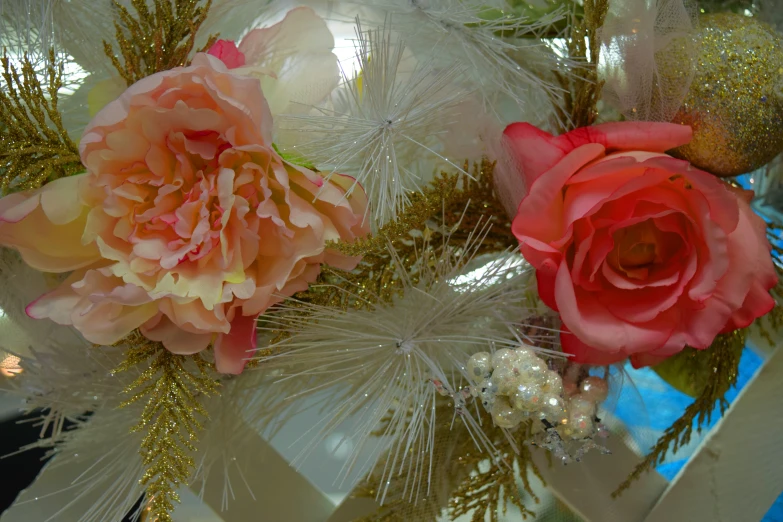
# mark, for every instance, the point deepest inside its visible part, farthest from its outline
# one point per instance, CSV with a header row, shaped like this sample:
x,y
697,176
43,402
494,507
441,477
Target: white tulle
x,y
648,56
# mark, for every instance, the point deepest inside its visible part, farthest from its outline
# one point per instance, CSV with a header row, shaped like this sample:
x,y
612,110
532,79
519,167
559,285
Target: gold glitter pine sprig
x,y
723,358
172,386
489,492
459,484
770,324
583,89
158,39
36,148
448,210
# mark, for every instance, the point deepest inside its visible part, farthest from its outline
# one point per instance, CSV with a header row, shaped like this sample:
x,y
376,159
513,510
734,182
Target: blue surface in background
x,y
670,404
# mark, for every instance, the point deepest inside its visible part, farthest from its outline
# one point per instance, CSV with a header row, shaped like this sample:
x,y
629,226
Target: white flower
x,y
293,59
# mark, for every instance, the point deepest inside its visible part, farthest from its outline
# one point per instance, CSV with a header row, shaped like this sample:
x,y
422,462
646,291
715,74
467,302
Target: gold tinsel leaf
x,y
172,386
722,360
156,40
36,148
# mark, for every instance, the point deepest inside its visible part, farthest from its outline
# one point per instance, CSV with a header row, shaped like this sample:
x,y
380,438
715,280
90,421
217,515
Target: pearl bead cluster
x,y
516,385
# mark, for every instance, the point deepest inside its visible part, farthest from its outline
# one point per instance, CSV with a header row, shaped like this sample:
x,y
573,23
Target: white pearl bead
x,y
594,388
553,408
506,379
479,366
527,398
504,357
487,392
504,415
553,383
581,405
580,426
524,352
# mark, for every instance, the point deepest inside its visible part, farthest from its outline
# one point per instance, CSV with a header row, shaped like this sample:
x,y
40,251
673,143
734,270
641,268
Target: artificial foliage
x,y
417,297
157,39
36,146
172,388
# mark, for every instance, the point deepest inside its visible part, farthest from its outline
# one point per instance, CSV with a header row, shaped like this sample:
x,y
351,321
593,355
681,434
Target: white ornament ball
x,y
487,392
525,352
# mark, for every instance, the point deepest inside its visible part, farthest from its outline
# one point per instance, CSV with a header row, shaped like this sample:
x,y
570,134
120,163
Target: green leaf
x,y
295,158
688,371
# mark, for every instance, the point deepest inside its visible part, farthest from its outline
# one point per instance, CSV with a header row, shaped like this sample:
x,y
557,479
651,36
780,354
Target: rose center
x,y
636,248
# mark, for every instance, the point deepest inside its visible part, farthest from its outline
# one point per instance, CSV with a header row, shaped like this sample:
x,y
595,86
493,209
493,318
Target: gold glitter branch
x,y
35,146
156,40
172,393
722,361
461,485
770,324
491,491
451,208
584,89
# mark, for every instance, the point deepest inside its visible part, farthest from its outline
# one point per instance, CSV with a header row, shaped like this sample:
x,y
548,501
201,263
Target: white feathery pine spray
x,y
230,434
62,375
66,380
384,121
69,381
75,28
385,365
503,55
99,465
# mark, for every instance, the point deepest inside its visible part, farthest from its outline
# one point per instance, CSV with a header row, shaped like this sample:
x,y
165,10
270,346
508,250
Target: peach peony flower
x,y
187,223
641,253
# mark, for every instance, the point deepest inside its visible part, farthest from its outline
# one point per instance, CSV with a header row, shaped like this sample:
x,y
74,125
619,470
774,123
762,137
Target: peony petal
x,y
303,82
107,323
175,339
537,151
234,349
545,283
60,199
58,304
46,227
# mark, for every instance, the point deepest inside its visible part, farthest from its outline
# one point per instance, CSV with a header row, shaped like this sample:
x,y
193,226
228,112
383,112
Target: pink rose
x,y
187,223
226,51
640,253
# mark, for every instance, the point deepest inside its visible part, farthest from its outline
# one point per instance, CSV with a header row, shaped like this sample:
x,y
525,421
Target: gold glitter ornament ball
x,y
735,103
